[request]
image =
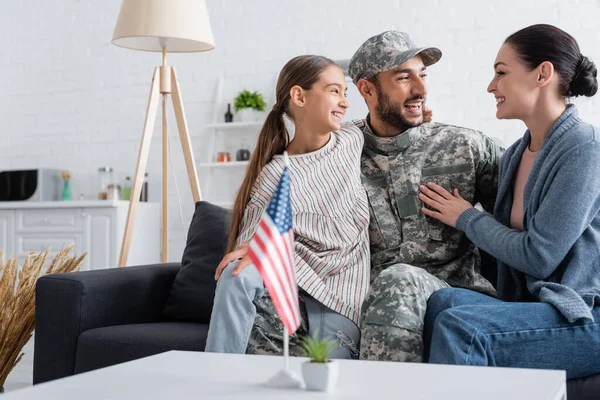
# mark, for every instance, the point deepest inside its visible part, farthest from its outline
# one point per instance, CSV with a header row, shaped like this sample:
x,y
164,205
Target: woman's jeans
x,y
468,328
234,312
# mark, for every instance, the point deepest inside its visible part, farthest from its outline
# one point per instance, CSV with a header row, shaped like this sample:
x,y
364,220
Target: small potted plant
x,y
319,373
248,105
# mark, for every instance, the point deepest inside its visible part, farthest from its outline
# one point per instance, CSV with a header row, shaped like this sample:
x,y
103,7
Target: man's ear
x,y
365,88
297,96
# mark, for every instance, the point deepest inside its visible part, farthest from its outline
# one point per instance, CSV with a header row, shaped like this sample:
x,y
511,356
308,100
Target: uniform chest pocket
x,y
450,177
385,230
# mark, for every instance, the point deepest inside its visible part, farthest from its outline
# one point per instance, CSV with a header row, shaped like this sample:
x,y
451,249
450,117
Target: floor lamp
x,y
163,26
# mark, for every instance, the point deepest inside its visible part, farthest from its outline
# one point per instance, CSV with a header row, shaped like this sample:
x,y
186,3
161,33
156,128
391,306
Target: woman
x,y
545,232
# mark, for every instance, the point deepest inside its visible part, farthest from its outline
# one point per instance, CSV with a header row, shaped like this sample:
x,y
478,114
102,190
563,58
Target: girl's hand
x,y
447,207
240,252
427,114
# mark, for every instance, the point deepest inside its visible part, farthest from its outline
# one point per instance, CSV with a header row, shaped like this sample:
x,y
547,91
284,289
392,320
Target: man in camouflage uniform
x,y
413,255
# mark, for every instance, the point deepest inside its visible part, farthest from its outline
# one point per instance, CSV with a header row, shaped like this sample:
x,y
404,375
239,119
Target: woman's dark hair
x,y
273,138
538,43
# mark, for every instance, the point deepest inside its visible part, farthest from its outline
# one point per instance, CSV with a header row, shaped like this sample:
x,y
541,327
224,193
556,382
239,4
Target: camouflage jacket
x,y
399,232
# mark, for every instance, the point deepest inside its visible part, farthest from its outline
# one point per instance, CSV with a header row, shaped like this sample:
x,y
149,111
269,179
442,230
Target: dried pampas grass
x,y
17,301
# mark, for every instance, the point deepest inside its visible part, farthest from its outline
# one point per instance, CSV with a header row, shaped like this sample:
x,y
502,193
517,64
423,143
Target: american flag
x,y
272,251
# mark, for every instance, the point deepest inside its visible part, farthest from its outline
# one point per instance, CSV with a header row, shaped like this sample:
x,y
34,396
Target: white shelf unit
x,y
229,164
220,181
229,126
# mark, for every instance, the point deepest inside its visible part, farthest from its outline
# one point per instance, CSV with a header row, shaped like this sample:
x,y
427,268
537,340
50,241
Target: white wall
x,y
70,99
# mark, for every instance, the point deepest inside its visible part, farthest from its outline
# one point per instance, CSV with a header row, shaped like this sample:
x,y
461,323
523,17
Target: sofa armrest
x,y
72,303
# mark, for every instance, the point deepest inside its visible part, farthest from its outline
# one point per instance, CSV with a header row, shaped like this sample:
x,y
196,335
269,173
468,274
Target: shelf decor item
x,y
223,157
17,296
173,26
228,114
249,105
126,192
106,178
319,373
66,177
242,155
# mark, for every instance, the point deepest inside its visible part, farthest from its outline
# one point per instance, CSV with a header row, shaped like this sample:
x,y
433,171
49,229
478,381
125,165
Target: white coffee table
x,y
195,375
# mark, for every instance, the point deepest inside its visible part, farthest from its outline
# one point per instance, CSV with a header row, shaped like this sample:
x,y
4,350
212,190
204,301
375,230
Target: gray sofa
x,y
93,319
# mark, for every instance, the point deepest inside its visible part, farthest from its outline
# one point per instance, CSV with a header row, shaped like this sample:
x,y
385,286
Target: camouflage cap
x,y
385,51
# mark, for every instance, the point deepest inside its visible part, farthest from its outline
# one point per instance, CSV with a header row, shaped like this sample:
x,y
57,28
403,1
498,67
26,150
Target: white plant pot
x,y
320,376
247,115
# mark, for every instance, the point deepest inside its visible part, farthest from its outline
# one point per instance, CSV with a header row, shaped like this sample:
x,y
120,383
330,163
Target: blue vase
x,y
66,194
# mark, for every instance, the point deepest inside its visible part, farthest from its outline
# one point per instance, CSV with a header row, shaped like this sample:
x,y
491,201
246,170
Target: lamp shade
x,y
179,26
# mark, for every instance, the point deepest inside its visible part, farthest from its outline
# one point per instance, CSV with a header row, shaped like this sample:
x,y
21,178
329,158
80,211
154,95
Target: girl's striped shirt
x,y
330,215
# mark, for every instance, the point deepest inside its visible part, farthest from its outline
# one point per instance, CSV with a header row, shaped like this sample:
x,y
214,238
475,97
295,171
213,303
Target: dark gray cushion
x,y
193,289
110,345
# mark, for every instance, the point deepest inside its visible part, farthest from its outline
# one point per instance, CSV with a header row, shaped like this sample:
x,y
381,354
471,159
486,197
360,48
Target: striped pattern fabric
x,y
330,216
272,252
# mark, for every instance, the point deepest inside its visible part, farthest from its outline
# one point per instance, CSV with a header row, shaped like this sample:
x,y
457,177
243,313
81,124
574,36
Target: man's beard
x,y
389,113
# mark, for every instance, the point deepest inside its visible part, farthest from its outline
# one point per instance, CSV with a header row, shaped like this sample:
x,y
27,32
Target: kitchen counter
x,y
95,226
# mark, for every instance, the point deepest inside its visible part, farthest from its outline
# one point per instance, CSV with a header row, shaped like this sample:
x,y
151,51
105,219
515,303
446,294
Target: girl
x,y
546,231
330,217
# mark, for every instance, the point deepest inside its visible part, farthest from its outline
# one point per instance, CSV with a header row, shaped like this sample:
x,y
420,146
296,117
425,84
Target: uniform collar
x,y
393,144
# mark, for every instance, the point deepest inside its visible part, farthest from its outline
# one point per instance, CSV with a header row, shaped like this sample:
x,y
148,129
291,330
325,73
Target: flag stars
x,y
279,208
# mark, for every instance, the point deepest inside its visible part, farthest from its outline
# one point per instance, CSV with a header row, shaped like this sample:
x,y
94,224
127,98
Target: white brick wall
x,y
70,99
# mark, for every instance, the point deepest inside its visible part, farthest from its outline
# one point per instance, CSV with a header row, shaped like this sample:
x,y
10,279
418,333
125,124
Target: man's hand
x,y
427,114
240,252
447,207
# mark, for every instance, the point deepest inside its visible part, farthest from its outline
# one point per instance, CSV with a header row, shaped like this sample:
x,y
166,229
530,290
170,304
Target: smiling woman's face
x,y
513,85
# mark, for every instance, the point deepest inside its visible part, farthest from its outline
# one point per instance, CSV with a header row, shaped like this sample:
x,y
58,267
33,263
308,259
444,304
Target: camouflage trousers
x,y
266,336
393,314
